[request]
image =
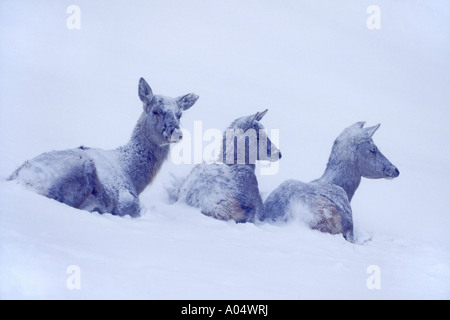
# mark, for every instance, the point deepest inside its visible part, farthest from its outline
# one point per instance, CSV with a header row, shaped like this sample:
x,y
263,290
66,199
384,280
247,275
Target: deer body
x,y
223,192
111,180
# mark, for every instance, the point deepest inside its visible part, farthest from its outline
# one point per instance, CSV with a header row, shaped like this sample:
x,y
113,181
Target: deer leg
x,y
76,185
128,204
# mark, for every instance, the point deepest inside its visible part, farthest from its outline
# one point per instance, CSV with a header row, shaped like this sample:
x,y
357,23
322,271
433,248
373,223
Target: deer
x,y
110,181
325,203
228,189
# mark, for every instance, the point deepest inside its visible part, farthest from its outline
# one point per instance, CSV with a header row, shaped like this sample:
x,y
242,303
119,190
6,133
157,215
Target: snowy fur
x,y
354,155
111,180
229,190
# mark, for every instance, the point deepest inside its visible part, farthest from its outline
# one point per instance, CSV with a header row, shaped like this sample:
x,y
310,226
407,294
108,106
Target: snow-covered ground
x,y
317,68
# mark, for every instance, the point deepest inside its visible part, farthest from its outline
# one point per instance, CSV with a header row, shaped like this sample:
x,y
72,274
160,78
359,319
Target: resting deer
x,y
326,201
111,180
229,190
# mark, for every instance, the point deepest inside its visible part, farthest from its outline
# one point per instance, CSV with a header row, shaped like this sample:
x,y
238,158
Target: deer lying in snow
x,y
325,202
229,190
111,180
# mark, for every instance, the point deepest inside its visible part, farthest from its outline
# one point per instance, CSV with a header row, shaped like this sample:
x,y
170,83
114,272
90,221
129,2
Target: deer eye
x,y
156,112
373,150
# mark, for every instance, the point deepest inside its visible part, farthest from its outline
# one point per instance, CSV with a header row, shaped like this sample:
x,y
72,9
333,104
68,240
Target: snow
x,y
315,66
177,253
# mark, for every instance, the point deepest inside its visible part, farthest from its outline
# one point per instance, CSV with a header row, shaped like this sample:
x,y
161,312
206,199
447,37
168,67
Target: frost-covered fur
x,y
111,180
229,190
354,155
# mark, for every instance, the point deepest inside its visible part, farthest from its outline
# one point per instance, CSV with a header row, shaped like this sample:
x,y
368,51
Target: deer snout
x,y
176,135
392,172
396,172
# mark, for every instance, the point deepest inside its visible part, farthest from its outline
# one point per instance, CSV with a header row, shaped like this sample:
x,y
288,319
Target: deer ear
x,y
144,91
260,115
359,124
186,101
371,130
255,117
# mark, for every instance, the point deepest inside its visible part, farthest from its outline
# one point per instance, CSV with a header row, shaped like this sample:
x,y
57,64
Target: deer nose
x,y
393,172
176,135
279,154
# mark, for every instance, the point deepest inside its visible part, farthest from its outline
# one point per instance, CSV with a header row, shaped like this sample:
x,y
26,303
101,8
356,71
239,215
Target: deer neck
x,y
142,159
232,159
344,174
